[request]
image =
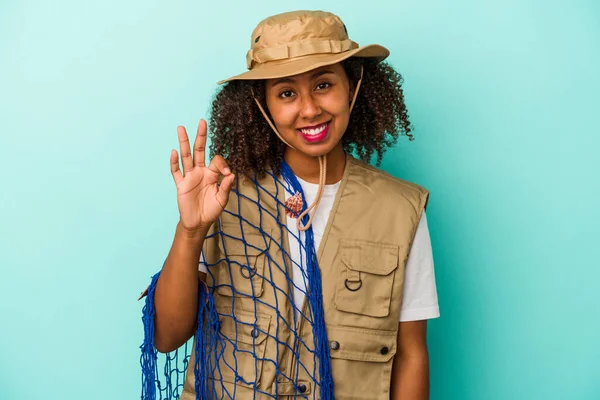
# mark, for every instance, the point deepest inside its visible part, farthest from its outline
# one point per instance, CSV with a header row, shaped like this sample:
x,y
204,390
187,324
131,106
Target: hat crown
x,y
296,34
294,26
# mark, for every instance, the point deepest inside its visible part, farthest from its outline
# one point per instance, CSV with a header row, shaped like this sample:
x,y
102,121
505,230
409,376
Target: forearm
x,y
410,377
176,295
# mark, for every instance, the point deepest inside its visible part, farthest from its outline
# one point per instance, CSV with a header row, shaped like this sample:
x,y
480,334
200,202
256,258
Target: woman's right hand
x,y
199,198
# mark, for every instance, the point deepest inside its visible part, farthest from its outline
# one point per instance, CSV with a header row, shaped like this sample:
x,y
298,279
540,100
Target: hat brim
x,y
288,67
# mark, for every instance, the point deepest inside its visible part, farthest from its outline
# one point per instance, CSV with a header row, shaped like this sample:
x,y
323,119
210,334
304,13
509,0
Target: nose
x,y
309,108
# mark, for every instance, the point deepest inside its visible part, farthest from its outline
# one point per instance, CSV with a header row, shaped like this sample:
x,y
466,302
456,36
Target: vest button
x,y
255,333
384,350
302,388
334,345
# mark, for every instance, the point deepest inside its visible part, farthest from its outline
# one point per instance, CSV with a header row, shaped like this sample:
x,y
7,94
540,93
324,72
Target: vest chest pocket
x,y
242,266
366,279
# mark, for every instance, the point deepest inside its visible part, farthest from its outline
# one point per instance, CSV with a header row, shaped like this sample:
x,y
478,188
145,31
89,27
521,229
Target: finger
x,y
184,147
218,164
177,176
200,145
224,189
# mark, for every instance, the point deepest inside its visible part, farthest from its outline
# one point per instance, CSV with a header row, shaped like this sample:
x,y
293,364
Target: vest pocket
x,y
366,278
245,341
242,265
361,361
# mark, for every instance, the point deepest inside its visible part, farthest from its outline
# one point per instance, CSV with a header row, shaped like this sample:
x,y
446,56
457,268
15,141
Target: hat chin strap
x,y
322,161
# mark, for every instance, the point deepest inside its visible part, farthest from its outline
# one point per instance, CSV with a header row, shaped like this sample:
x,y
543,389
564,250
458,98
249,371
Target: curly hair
x,y
240,133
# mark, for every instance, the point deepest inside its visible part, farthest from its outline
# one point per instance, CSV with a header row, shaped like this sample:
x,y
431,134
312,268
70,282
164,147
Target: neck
x,y
307,167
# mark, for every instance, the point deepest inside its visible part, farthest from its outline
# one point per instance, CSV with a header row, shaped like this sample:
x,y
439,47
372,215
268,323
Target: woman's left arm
x,y
410,370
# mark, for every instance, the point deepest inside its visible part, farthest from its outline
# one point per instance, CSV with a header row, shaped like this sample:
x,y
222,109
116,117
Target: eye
x,y
323,85
286,93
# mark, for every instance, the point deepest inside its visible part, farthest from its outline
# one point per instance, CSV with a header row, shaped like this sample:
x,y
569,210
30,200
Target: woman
x,y
310,257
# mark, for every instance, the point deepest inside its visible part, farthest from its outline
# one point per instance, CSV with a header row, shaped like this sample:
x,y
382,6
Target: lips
x,y
315,134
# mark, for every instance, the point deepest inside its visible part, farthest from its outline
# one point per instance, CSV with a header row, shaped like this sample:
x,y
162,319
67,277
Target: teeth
x,y
315,131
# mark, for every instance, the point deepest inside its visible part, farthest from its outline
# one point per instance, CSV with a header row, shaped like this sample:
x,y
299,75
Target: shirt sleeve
x,y
419,295
201,263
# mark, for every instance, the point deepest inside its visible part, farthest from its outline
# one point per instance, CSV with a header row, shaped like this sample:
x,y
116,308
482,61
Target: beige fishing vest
x,y
366,243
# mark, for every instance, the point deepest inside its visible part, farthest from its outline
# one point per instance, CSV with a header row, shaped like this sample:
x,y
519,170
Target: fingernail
x,y
227,170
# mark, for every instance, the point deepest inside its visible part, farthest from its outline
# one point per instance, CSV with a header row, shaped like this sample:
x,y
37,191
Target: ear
x,y
352,88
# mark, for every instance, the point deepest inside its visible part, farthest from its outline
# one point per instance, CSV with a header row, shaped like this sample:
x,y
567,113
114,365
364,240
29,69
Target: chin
x,y
317,149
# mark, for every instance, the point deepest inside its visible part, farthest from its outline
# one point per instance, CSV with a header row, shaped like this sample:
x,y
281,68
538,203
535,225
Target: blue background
x,y
504,99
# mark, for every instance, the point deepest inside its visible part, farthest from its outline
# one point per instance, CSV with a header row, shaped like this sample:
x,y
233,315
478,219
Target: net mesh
x,y
230,345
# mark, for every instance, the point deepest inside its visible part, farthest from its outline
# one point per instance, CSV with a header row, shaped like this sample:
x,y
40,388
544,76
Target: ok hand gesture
x,y
199,198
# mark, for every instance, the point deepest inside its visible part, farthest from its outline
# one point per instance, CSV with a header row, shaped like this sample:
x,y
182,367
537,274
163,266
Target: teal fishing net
x,y
163,375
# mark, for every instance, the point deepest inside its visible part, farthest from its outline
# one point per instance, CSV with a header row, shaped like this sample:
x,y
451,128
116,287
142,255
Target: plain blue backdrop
x,y
504,99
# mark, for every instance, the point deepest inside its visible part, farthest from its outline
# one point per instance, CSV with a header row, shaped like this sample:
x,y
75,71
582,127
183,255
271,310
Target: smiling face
x,y
311,110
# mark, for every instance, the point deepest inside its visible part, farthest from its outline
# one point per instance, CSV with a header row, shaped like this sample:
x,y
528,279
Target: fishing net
x,y
240,354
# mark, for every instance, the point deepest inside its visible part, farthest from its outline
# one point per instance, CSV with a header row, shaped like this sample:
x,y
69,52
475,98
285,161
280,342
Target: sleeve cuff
x,y
419,314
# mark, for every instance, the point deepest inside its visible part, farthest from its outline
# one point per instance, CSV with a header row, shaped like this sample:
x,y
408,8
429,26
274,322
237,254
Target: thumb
x,y
224,189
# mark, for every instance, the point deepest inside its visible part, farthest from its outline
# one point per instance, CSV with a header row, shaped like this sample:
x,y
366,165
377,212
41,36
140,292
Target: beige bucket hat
x,y
295,42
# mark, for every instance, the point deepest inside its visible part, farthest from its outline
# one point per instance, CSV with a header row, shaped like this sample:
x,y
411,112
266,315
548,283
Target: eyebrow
x,y
313,76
